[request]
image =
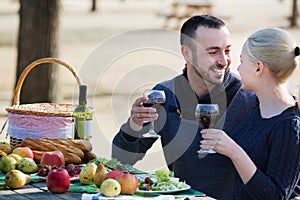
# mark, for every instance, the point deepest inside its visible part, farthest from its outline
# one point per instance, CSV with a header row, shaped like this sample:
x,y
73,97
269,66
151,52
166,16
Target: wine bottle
x,y
82,117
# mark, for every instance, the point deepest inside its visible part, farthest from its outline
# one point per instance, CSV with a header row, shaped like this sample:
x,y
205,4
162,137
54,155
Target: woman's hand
x,y
217,140
140,115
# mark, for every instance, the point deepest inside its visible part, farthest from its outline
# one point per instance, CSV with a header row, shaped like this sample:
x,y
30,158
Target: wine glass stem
x,y
152,127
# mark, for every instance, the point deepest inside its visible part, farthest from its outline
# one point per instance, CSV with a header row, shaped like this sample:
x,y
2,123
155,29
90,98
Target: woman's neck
x,y
274,99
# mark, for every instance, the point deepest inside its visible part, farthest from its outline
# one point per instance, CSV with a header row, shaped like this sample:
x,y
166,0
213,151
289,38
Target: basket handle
x,y
33,65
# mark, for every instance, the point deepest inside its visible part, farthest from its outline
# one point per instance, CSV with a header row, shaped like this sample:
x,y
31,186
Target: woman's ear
x,y
187,54
260,67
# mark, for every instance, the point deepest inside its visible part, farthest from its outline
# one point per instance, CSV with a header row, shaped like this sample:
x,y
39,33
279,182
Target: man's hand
x,y
140,115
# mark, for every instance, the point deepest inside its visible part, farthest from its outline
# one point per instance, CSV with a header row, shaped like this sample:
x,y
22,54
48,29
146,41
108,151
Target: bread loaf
x,y
38,155
74,151
72,158
88,156
84,145
37,145
64,148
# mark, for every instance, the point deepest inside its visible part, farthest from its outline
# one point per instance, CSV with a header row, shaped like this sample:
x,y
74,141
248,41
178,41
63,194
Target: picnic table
x,y
182,9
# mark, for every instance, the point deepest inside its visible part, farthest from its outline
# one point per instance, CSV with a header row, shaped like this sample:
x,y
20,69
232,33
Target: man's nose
x,y
223,59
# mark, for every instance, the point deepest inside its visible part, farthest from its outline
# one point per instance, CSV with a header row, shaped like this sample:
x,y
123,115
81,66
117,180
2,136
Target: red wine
x,y
147,104
150,104
207,120
206,114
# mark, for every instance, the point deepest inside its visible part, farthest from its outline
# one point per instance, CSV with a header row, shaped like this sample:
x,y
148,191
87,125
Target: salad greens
x,y
163,180
114,164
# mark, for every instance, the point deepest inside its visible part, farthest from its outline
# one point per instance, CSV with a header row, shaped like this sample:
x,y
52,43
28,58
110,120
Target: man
x,y
206,48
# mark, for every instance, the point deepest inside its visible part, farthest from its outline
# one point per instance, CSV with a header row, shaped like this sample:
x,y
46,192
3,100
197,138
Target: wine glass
x,y
206,114
154,97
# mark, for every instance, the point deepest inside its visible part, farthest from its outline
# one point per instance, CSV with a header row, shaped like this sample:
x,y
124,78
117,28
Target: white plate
x,y
45,177
186,187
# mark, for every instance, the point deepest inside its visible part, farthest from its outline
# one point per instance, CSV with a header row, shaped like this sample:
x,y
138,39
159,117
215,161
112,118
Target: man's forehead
x,y
212,38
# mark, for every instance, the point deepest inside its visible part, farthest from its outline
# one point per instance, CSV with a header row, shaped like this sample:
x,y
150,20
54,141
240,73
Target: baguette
x,y
64,148
38,155
88,156
70,144
72,158
37,145
84,145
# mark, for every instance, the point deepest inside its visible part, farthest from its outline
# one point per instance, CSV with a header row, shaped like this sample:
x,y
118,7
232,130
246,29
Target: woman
x,y
264,148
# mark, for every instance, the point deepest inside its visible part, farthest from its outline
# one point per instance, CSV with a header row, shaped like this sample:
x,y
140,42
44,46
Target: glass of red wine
x,y
206,114
154,97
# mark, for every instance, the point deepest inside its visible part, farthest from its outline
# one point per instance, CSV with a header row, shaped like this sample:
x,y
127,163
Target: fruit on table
x,y
53,158
113,174
7,163
128,182
58,181
110,188
2,154
15,156
28,166
15,179
24,152
101,171
87,174
4,146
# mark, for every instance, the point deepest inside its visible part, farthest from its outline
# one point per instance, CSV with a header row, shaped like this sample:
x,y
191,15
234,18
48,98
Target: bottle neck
x,y
82,95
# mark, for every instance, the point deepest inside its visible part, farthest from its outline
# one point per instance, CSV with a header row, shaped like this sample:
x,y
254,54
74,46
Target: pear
x,y
87,174
16,157
110,188
28,166
7,163
101,171
4,146
15,179
2,154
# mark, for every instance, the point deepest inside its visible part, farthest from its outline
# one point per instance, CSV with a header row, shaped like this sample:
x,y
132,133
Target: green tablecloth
x,y
76,186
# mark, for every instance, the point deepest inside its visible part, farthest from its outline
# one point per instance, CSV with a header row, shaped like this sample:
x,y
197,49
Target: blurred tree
x,y
94,6
38,32
295,14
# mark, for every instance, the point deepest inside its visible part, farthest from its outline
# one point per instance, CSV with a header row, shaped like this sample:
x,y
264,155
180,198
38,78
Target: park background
x,y
117,24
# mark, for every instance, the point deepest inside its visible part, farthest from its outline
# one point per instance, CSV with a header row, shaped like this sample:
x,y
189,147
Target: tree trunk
x,y
94,6
295,14
38,32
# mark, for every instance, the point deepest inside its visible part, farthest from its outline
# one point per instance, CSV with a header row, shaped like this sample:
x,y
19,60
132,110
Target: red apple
x,y
128,182
112,174
58,181
53,158
24,152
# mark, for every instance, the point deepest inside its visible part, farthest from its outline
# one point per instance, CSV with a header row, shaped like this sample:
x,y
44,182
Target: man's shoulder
x,y
169,83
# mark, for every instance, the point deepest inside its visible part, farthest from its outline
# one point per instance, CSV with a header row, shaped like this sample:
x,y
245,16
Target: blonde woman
x,y
265,147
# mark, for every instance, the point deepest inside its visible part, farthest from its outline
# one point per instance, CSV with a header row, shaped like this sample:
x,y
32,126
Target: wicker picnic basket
x,y
39,120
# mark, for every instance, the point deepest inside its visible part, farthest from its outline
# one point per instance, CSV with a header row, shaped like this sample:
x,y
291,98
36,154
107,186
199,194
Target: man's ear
x,y
260,67
187,53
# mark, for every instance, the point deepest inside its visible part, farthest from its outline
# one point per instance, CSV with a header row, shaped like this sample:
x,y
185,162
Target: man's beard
x,y
205,75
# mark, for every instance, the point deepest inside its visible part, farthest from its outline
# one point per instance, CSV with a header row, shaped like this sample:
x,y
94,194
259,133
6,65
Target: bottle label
x,y
88,129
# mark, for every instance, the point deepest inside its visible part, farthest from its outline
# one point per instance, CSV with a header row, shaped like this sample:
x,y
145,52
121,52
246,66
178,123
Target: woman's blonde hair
x,y
274,47
277,49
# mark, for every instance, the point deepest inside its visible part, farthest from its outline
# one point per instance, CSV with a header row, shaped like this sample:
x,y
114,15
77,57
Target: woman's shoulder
x,y
288,121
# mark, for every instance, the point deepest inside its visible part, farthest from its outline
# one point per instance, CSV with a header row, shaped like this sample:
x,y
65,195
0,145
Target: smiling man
x,y
206,78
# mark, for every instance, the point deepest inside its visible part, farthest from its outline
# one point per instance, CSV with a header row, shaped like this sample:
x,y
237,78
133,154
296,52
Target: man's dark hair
x,y
188,29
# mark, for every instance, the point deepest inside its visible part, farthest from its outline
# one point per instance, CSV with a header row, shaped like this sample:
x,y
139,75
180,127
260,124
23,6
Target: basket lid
x,y
43,109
